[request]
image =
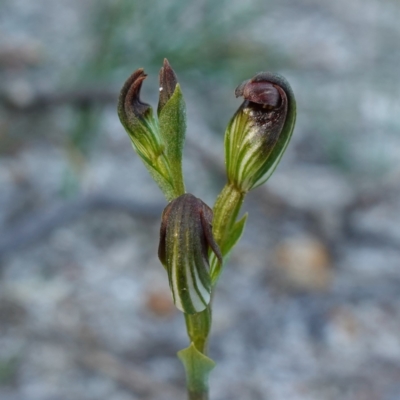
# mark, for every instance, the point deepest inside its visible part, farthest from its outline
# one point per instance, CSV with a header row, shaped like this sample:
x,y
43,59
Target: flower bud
x,y
185,238
158,143
260,130
137,118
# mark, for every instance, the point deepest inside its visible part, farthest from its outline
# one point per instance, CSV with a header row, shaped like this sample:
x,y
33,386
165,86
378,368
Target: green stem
x,y
194,358
198,328
197,395
198,368
226,211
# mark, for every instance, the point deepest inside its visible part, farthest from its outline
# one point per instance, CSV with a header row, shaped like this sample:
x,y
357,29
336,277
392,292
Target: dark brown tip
x,y
260,92
168,81
129,104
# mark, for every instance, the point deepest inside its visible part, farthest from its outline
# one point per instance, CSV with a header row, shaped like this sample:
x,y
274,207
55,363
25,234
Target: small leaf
x,y
233,238
235,235
197,367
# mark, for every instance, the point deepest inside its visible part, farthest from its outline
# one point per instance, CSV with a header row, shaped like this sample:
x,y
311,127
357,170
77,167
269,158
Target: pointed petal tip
x,y
166,63
130,107
168,81
240,88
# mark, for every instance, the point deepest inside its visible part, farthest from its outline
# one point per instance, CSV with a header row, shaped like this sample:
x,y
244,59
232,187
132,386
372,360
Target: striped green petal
x,y
185,237
260,130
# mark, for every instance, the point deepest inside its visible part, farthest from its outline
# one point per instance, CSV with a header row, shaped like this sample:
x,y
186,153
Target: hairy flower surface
x,y
185,239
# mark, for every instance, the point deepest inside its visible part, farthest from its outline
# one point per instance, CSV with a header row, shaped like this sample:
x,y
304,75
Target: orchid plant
x,y
195,240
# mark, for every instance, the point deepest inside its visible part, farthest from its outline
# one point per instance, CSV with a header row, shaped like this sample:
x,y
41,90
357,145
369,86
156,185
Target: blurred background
x,y
308,307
